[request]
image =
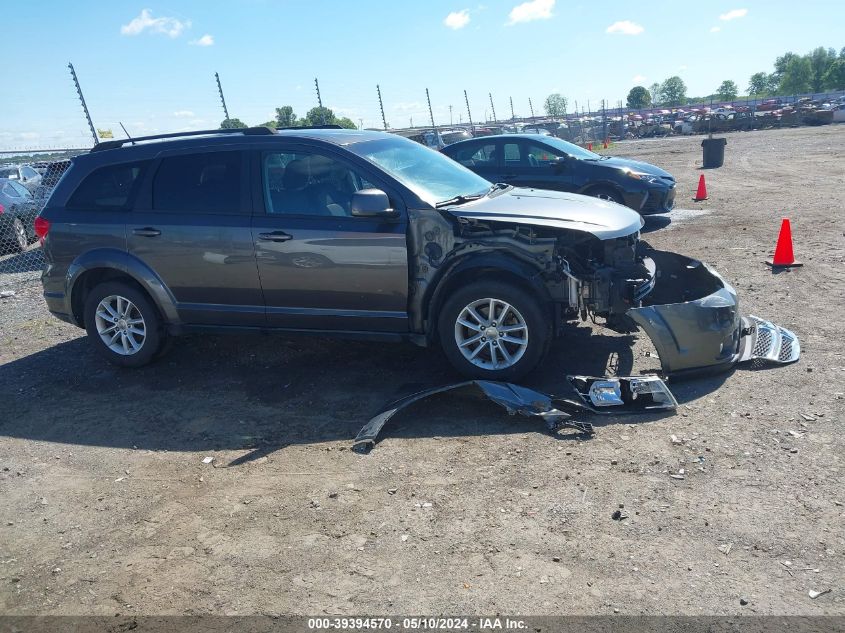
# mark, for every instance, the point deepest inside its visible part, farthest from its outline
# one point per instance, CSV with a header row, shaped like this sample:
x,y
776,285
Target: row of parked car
x,y
23,191
658,122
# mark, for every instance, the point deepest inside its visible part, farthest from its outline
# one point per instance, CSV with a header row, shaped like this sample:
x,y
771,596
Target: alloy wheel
x,y
491,334
120,325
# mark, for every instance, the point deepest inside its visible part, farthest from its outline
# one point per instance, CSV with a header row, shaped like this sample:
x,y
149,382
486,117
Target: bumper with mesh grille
x,y
692,316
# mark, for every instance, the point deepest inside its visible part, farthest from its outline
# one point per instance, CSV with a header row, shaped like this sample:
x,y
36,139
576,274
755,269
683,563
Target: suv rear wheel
x,y
122,324
494,331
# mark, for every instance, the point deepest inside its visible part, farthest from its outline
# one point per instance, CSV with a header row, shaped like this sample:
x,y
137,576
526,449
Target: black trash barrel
x,y
714,152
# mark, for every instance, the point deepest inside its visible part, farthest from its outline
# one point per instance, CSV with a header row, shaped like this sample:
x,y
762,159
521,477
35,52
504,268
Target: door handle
x,y
275,236
146,232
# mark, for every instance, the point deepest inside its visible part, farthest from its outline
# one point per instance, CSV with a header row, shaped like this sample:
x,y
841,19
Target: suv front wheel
x,y
494,331
122,324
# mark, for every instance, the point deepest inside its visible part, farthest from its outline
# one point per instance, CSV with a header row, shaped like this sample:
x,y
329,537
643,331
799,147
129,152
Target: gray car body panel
x,y
692,316
554,209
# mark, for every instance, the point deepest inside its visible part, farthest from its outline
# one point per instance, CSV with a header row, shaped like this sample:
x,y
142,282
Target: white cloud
x,y
625,27
172,27
638,79
715,29
530,11
205,40
732,15
183,113
457,19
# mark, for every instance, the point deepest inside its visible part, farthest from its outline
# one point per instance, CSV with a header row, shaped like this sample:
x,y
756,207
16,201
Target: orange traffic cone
x,y
590,147
701,194
605,143
784,257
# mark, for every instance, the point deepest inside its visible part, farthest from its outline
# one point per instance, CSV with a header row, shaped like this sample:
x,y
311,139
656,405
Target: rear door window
x,y
477,155
112,187
210,182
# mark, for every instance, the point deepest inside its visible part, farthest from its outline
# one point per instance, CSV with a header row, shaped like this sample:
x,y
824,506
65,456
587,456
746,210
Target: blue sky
x,y
151,63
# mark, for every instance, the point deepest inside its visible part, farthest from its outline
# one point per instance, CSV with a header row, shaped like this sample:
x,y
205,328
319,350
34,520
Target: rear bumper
x,y
692,316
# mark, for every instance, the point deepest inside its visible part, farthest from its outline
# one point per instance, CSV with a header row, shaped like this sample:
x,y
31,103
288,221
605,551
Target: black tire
x,y
154,335
529,310
21,239
606,193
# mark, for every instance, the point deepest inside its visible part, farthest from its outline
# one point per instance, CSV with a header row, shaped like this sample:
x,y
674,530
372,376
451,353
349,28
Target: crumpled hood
x,y
634,165
606,220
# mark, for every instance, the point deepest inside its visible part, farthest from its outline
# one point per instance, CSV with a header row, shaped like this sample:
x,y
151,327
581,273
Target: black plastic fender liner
x,y
692,316
514,398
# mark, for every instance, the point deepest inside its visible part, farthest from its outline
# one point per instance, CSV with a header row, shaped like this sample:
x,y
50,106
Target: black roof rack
x,y
249,131
123,141
311,127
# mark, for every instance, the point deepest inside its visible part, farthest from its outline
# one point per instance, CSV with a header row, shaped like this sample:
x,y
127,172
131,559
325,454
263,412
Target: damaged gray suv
x,y
368,235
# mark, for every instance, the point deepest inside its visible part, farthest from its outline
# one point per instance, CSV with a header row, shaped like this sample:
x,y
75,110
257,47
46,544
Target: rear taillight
x,y
2,209
42,227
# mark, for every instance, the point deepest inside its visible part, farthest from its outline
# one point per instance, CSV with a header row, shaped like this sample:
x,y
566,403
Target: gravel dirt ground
x,y
107,506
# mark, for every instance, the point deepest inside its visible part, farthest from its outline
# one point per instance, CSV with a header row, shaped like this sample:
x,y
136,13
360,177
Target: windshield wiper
x,y
462,199
499,186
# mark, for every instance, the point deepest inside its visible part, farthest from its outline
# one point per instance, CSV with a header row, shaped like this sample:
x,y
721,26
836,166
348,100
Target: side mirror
x,y
371,203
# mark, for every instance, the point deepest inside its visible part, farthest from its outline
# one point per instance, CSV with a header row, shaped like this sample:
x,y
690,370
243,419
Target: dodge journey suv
x,y
361,234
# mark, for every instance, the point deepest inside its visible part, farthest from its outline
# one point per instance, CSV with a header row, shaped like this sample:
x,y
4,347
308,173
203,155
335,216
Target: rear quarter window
x,y
111,187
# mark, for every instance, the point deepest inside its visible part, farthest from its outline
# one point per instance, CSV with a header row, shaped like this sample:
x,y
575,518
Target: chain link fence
x,y
25,187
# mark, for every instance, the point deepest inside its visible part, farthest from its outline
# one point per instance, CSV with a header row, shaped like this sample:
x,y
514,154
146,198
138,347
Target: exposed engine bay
x,y
687,309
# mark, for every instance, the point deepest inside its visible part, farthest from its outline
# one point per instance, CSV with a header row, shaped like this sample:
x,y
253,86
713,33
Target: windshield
x,y
431,175
571,149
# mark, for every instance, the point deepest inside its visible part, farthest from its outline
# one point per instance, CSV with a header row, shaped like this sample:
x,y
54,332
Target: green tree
x,y
727,91
318,116
555,105
820,60
656,94
760,84
638,98
325,116
781,63
834,78
673,91
232,123
796,76
285,117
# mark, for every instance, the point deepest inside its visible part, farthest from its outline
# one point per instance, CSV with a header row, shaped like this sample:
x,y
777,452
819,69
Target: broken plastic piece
x,y
514,398
633,393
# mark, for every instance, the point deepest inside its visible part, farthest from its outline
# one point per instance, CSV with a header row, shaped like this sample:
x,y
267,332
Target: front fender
x,y
127,264
481,262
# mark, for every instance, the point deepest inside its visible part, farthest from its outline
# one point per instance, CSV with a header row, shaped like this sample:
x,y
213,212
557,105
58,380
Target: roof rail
x,y
123,141
311,127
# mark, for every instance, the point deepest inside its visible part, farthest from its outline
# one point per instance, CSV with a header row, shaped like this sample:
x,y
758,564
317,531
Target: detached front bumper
x,y
692,316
